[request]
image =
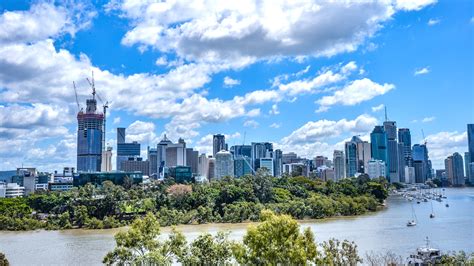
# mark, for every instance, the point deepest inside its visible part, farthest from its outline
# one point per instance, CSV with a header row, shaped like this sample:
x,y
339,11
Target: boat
x,y
447,205
426,255
432,212
412,222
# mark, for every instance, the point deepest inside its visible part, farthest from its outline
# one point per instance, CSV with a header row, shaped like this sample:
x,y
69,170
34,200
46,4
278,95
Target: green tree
x,y
208,250
81,215
276,240
336,252
140,244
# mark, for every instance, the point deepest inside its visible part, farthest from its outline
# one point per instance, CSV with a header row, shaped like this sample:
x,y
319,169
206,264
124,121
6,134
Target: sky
x,y
305,75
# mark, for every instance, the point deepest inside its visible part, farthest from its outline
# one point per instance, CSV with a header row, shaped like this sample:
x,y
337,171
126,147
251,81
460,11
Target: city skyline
x,y
307,100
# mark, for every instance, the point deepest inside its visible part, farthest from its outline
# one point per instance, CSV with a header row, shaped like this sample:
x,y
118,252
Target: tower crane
x,y
77,99
424,139
105,105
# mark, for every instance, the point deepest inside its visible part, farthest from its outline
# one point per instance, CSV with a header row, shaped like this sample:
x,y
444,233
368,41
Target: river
x,y
386,230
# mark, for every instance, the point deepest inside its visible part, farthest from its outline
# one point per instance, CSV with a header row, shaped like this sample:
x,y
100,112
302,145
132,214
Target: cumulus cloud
x,y
251,123
320,130
428,119
442,144
274,110
275,125
421,71
229,82
354,93
433,21
208,30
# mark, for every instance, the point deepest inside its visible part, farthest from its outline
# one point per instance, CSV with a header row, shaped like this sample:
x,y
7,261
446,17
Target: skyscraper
x,y
120,135
376,169
277,163
454,169
89,137
390,128
106,165
218,144
242,150
351,158
420,162
404,138
192,159
378,139
338,159
153,161
261,150
470,141
224,164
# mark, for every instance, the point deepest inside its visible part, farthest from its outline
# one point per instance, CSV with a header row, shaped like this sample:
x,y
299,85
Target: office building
x,y
106,165
277,163
404,138
470,141
161,155
127,151
421,163
241,150
242,166
224,164
203,165
267,164
152,157
136,165
90,126
290,157
339,169
379,149
181,174
192,159
261,150
390,128
11,190
454,169
376,168
320,161
120,135
175,154
409,174
358,155
211,172
26,177
467,160
218,144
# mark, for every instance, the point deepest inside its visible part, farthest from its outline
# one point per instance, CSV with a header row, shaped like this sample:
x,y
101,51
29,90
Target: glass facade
x,y
379,143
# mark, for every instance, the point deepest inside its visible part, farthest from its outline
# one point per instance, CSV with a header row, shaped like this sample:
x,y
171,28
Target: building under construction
x,y
90,135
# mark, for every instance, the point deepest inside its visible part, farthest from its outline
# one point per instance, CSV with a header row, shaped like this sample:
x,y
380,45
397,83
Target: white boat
x,y
426,255
411,223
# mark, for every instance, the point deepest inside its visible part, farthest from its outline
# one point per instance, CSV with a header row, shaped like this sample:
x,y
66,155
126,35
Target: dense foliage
x,y
227,200
3,260
277,240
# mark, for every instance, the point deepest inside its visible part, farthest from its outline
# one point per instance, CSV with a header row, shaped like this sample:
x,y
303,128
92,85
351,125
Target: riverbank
x,y
379,231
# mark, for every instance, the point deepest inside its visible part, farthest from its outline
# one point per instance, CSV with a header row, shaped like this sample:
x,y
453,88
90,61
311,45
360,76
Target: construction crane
x,y
77,99
92,84
243,143
424,139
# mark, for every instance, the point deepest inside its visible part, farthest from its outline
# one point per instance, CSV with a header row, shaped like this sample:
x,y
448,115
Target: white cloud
x,y
443,144
161,61
274,110
44,20
421,71
428,119
142,132
275,125
229,82
409,5
209,30
356,92
251,123
378,107
433,21
317,131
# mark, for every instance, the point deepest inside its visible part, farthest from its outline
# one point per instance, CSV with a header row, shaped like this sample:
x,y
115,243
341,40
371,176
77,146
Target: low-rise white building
x,y
11,190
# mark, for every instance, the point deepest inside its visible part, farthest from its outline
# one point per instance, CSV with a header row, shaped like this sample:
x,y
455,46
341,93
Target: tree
x,y
81,215
208,250
3,260
276,240
140,244
336,252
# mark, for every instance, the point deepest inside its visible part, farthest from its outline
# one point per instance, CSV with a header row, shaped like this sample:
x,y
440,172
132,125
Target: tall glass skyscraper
x,y
378,139
404,138
89,137
470,141
390,128
218,144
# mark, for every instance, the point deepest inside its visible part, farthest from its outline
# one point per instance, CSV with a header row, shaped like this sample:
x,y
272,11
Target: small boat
x,y
425,255
432,211
411,223
418,202
447,205
425,200
432,215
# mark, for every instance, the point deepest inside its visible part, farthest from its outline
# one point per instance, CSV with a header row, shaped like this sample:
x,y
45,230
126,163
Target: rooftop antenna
x,y
424,139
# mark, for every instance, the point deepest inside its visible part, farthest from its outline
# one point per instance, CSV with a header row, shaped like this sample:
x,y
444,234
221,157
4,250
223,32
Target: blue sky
x,y
305,75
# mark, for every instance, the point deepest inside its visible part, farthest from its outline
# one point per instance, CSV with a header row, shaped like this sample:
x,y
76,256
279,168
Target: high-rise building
x,y
379,149
358,155
242,166
203,165
404,138
106,165
89,137
152,158
242,150
161,155
267,163
409,174
127,151
467,160
454,169
390,128
277,163
224,164
339,170
320,161
211,172
120,135
218,144
421,163
135,164
401,163
470,141
261,150
192,159
175,155
376,168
